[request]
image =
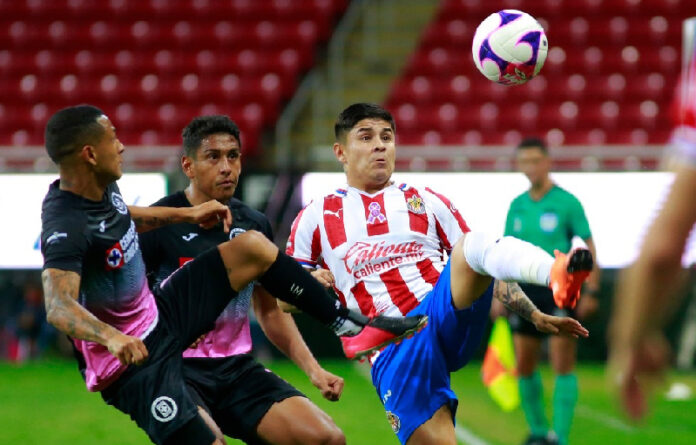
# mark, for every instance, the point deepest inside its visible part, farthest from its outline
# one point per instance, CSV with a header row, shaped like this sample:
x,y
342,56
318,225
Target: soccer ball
x,y
509,47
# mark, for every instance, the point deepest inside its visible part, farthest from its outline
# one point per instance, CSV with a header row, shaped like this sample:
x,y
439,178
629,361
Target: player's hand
x,y
587,306
558,325
127,349
635,372
324,276
330,385
210,213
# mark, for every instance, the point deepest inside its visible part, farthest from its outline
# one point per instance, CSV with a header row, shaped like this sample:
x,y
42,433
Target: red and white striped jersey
x,y
386,250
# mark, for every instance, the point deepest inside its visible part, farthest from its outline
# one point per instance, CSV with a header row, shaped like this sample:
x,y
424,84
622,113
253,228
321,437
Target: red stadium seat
x,y
155,63
608,75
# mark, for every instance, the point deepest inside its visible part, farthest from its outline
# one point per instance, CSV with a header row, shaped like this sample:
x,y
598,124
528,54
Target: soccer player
x,y
128,345
245,399
549,217
646,293
396,249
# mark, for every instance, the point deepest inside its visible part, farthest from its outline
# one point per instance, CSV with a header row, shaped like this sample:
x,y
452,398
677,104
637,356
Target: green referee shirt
x,y
550,223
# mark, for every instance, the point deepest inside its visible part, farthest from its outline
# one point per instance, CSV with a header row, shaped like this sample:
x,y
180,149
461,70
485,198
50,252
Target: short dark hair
x,y
533,142
203,126
70,129
357,112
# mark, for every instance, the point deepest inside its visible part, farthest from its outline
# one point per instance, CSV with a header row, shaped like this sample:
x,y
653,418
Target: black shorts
x,y
155,394
236,391
542,297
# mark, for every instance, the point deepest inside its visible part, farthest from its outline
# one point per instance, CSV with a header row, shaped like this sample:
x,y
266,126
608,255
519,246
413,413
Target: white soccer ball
x,y
510,47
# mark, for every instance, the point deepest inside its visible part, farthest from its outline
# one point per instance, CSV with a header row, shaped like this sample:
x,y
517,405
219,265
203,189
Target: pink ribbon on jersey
x,y
375,213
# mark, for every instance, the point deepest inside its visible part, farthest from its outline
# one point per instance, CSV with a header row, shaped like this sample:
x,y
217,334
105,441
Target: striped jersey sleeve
x,y
304,242
449,223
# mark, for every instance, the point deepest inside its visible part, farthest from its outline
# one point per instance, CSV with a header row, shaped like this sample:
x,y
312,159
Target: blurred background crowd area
x,y
283,69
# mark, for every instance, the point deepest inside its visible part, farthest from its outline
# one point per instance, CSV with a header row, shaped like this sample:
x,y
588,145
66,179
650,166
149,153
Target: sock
x,y
287,280
507,258
565,396
532,397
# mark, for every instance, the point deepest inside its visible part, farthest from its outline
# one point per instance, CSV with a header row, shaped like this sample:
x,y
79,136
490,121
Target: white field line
x,y
464,435
604,419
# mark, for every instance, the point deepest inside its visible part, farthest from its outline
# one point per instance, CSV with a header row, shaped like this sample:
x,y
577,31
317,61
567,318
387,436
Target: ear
x,y
187,166
339,152
88,154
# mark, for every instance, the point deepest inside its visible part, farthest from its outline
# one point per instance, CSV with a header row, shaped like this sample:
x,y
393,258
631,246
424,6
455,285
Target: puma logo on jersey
x,y
56,236
337,213
189,237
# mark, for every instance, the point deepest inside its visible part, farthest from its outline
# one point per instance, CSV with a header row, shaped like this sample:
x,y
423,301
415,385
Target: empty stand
x,y
608,79
152,65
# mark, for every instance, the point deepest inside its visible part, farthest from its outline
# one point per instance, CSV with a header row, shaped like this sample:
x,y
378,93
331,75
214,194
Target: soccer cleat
x,y
568,272
379,332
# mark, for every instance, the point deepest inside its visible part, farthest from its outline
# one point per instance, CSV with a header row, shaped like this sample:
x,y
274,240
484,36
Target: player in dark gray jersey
x,y
128,344
245,399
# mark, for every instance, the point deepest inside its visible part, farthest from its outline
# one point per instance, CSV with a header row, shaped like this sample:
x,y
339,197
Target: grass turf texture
x,y
46,402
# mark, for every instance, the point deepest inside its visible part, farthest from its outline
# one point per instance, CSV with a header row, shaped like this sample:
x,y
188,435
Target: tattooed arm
x,y
512,296
207,215
61,289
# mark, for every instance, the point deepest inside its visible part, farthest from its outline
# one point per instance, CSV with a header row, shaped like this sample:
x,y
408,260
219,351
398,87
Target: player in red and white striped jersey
x,y
386,250
396,249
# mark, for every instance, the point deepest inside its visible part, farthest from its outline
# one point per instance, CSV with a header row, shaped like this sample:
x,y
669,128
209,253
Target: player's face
x,y
535,164
368,154
215,170
107,153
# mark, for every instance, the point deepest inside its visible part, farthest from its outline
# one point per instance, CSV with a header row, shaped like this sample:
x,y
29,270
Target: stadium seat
x,y
608,77
156,63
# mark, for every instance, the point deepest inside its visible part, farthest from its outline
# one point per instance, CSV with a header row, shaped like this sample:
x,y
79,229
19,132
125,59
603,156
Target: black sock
x,y
287,280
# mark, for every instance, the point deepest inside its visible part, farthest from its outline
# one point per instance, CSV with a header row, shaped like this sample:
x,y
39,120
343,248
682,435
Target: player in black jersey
x,y
128,344
260,407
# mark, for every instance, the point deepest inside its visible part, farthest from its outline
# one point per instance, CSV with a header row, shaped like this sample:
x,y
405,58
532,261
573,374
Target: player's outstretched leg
x,y
251,256
478,256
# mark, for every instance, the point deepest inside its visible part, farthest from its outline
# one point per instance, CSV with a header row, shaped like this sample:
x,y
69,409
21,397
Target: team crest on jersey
x,y
236,232
415,204
394,421
117,201
114,257
164,409
375,215
548,222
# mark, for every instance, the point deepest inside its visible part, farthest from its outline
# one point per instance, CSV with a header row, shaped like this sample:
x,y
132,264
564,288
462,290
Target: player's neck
x,y
195,196
538,191
81,182
370,189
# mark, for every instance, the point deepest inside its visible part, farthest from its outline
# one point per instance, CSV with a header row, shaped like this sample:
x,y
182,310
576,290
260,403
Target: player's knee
x,y
254,245
328,436
334,436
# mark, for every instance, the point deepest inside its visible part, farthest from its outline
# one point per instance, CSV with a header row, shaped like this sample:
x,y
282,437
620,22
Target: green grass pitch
x,y
47,403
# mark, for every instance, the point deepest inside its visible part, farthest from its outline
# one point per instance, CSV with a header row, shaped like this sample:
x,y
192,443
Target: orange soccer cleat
x,y
568,272
380,332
